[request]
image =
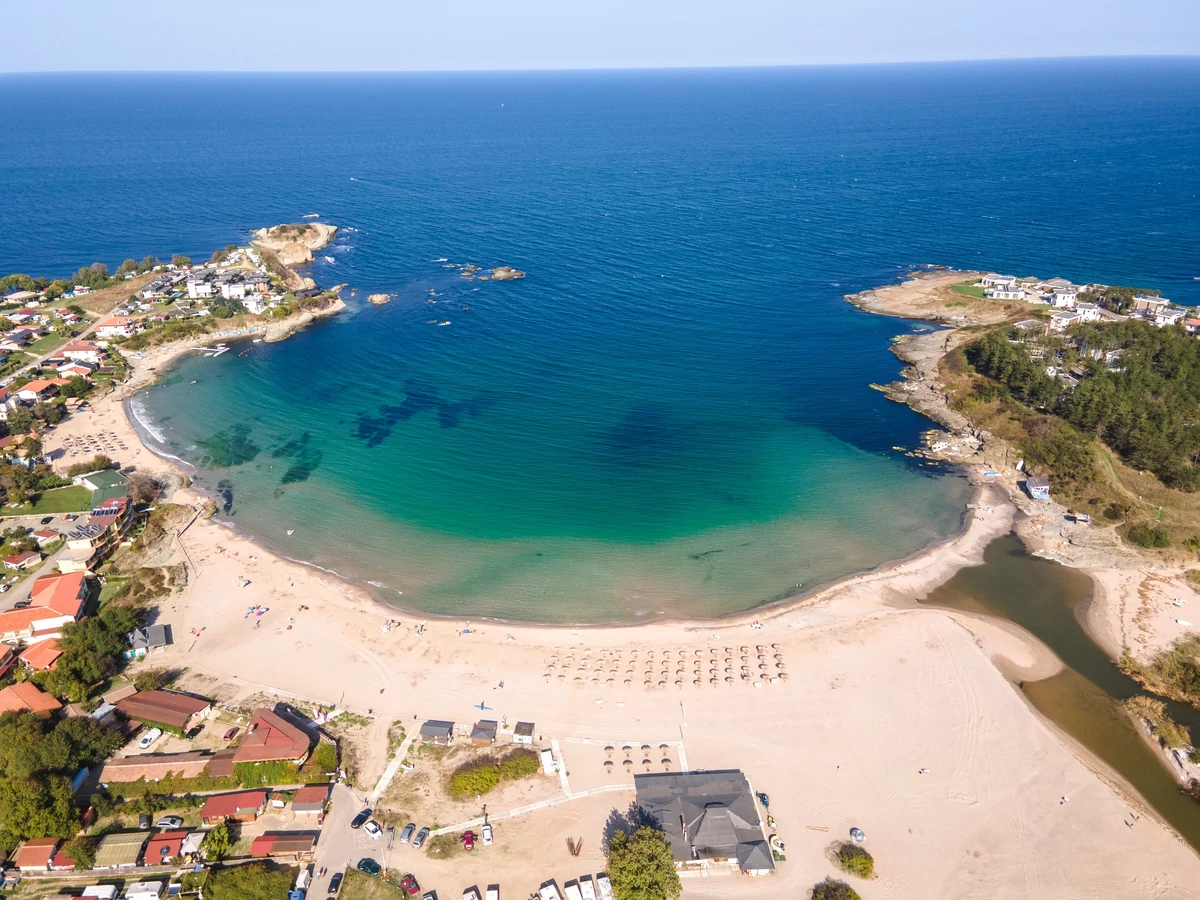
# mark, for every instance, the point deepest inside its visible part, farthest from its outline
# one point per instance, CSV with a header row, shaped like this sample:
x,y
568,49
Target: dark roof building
x,y
165,708
310,799
244,806
437,731
269,736
709,818
155,766
484,731
523,733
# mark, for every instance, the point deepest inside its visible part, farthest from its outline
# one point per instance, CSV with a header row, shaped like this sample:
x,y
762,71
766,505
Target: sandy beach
x,y
851,707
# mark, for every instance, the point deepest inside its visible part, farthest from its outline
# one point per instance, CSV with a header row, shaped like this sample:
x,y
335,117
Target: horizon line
x,y
616,68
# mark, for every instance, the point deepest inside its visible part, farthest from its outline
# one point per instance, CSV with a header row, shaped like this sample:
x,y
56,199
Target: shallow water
x,y
1084,699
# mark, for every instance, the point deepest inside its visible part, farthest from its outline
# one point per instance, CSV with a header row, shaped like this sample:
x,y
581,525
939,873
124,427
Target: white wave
x,y
141,416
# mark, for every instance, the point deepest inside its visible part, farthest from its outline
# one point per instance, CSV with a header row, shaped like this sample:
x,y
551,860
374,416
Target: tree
x,y
855,860
641,867
33,808
76,386
20,420
83,851
97,463
834,890
253,881
180,260
217,842
129,265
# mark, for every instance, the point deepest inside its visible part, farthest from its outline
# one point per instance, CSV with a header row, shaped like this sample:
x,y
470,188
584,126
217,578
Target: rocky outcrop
x,y
294,244
506,273
277,331
380,299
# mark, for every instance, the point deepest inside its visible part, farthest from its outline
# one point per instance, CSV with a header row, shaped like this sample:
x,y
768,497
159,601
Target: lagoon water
x,y
671,413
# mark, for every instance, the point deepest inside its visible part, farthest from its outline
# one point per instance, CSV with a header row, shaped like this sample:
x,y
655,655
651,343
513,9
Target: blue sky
x,y
401,35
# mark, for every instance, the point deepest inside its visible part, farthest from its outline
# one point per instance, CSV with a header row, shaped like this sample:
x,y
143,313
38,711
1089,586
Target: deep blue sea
x,y
671,412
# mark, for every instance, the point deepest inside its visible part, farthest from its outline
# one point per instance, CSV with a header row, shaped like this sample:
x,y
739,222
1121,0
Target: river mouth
x,y
1084,700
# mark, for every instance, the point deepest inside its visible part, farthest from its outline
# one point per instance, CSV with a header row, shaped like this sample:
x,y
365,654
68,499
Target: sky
x,y
458,35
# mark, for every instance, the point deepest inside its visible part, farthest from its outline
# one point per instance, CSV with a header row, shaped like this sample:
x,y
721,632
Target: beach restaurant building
x,y
178,712
710,820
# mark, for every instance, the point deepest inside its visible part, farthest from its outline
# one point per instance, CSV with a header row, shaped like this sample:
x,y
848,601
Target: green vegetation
x,y
1174,673
93,650
1116,297
253,881
265,774
82,849
97,463
834,890
37,759
1193,578
1170,733
172,784
1149,412
172,330
968,288
641,867
1148,536
358,886
443,846
854,859
482,775
57,500
217,842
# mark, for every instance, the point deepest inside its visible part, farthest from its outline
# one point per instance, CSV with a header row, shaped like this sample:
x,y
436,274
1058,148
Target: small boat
x,y
312,216
193,381
291,531
258,340
329,259
443,324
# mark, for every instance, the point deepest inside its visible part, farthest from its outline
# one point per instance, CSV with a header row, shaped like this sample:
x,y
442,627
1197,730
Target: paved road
x,y
341,846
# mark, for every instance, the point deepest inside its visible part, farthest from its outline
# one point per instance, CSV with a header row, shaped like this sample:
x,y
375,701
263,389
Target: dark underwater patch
x,y
419,397
306,458
232,447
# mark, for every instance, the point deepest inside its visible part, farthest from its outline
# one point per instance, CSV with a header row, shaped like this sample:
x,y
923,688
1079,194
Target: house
x,y
42,656
1064,298
1030,325
119,327
245,806
119,693
165,847
1165,317
77,367
120,850
154,766
147,640
994,280
270,737
1005,292
181,712
40,390
199,285
45,537
8,658
1038,488
1090,312
523,733
20,296
30,559
8,401
61,862
233,290
25,696
1061,321
102,480
284,843
255,304
54,601
310,801
84,351
435,731
484,731
35,854
710,820
1152,305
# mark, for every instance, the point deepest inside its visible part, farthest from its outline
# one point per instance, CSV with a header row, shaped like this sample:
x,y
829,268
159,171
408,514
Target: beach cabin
x,y
523,733
1038,487
484,732
437,731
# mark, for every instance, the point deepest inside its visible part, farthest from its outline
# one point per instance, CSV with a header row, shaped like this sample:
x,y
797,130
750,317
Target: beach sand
x,y
869,691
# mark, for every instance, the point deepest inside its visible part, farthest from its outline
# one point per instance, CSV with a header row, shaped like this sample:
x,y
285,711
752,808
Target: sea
x,y
670,415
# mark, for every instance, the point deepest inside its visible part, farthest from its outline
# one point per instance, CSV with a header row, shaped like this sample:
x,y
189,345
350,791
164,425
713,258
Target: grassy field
x,y
58,500
969,288
358,886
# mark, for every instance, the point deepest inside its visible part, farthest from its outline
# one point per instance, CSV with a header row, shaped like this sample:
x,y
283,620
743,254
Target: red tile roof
x,y
62,593
312,796
24,696
221,805
163,707
42,656
35,853
168,841
269,736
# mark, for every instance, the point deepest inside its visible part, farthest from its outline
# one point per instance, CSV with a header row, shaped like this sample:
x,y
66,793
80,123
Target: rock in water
x,y
380,299
506,273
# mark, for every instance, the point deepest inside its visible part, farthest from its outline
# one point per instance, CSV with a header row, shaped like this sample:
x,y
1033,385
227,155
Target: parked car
x,y
334,883
149,738
407,833
361,819
419,840
47,520
169,822
22,604
372,828
486,834
368,866
144,821
5,587
409,885
468,840
230,734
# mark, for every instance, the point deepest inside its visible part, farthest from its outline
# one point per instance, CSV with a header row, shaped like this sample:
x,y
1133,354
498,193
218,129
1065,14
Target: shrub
x,y
444,846
1193,578
482,775
217,842
1149,536
172,784
266,774
855,860
834,890
83,851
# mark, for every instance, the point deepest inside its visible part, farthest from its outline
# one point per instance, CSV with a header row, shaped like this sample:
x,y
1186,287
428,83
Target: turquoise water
x,y
670,414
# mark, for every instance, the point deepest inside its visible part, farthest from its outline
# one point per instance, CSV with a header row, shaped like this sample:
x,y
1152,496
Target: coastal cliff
x,y
278,331
294,244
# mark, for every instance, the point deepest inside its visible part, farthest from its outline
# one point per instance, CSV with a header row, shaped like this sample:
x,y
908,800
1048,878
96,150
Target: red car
x,y
468,840
409,885
229,735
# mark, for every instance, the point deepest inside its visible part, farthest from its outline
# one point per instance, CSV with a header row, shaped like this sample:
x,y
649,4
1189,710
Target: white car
x,y
372,828
149,738
486,835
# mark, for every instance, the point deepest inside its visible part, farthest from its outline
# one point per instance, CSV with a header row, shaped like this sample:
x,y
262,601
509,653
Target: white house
x,y
1165,317
1004,292
1061,321
233,290
255,304
1064,298
118,326
994,280
1089,311
1142,303
198,286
